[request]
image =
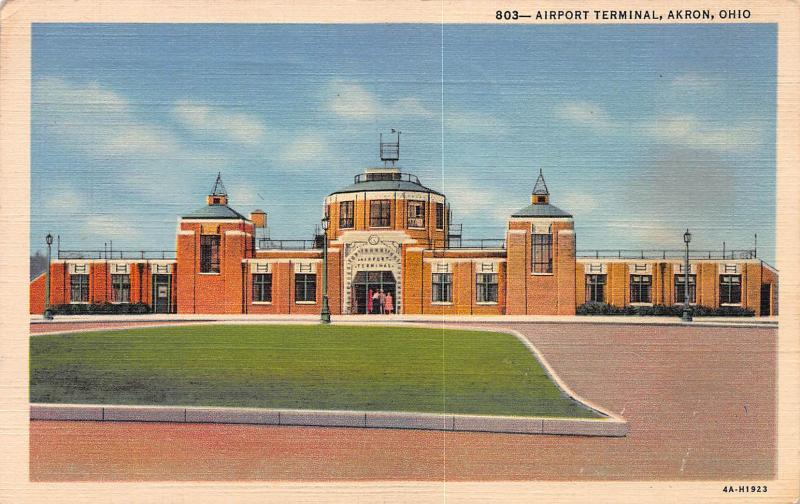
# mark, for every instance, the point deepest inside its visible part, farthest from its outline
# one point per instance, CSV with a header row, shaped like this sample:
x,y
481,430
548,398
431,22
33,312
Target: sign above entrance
x,y
372,254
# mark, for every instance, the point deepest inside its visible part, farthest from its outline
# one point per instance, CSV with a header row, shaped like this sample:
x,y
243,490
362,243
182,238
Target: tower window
x,y
209,253
439,215
121,288
380,213
640,288
680,288
416,214
346,214
79,288
595,288
730,289
542,253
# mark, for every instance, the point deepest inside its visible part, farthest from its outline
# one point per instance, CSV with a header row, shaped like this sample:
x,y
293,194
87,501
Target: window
x,y
305,287
79,288
380,213
542,253
595,288
346,214
209,253
442,288
262,287
730,289
120,288
486,287
640,288
439,215
416,214
680,287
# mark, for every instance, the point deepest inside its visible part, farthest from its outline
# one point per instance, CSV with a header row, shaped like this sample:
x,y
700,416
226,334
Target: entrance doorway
x,y
162,293
367,289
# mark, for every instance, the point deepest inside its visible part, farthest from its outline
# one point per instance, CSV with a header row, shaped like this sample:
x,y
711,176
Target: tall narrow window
x,y
640,288
346,214
416,214
79,288
730,289
595,288
262,287
209,253
542,253
380,213
442,288
486,287
439,215
121,288
305,287
680,288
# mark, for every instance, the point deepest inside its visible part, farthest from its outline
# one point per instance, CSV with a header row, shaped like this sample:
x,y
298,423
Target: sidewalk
x,y
770,322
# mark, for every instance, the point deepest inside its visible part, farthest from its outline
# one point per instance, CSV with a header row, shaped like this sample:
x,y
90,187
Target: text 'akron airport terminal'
x,y
391,248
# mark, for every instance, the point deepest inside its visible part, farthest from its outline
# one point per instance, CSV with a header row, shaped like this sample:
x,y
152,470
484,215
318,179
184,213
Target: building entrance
x,y
162,294
374,292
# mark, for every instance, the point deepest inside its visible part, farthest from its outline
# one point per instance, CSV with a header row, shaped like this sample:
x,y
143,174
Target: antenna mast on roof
x,y
390,151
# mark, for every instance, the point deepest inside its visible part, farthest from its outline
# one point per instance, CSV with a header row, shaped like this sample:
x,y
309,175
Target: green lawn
x,y
298,366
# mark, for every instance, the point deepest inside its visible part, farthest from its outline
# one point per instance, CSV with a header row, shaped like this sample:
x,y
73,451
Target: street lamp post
x,y
325,315
687,315
48,313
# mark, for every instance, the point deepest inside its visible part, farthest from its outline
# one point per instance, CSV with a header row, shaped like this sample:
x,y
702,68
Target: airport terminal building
x,y
391,248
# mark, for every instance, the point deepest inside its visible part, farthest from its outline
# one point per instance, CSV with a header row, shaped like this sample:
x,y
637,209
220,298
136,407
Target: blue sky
x,y
642,131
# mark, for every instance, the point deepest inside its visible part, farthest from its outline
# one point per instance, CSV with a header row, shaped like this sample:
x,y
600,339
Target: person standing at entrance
x,y
381,301
369,301
388,303
376,302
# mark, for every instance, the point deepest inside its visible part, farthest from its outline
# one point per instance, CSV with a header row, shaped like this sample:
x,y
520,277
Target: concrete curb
x,y
611,427
766,322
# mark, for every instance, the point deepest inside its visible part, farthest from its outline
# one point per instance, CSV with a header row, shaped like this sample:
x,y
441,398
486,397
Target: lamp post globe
x,y
687,314
325,314
48,313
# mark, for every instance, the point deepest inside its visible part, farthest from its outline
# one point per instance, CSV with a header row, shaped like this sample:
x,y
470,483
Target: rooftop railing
x,y
116,254
665,254
370,177
270,244
477,243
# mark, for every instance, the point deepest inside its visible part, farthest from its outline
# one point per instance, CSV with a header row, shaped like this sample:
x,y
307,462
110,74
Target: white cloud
x,y
354,101
694,82
689,131
306,148
64,200
590,115
98,121
471,199
106,226
202,118
579,202
474,122
244,196
679,130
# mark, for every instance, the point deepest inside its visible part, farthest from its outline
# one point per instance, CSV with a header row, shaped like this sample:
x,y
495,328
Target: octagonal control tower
x,y
374,220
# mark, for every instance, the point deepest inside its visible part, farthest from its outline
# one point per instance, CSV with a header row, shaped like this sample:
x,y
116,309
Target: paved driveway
x,y
700,402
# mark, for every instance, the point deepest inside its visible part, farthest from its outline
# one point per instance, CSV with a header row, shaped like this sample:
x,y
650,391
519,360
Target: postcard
x,y
390,252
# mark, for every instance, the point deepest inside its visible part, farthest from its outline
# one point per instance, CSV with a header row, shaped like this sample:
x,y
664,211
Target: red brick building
x,y
393,249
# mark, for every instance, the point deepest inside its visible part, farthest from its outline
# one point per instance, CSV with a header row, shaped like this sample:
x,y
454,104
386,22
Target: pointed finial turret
x,y
218,196
540,194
